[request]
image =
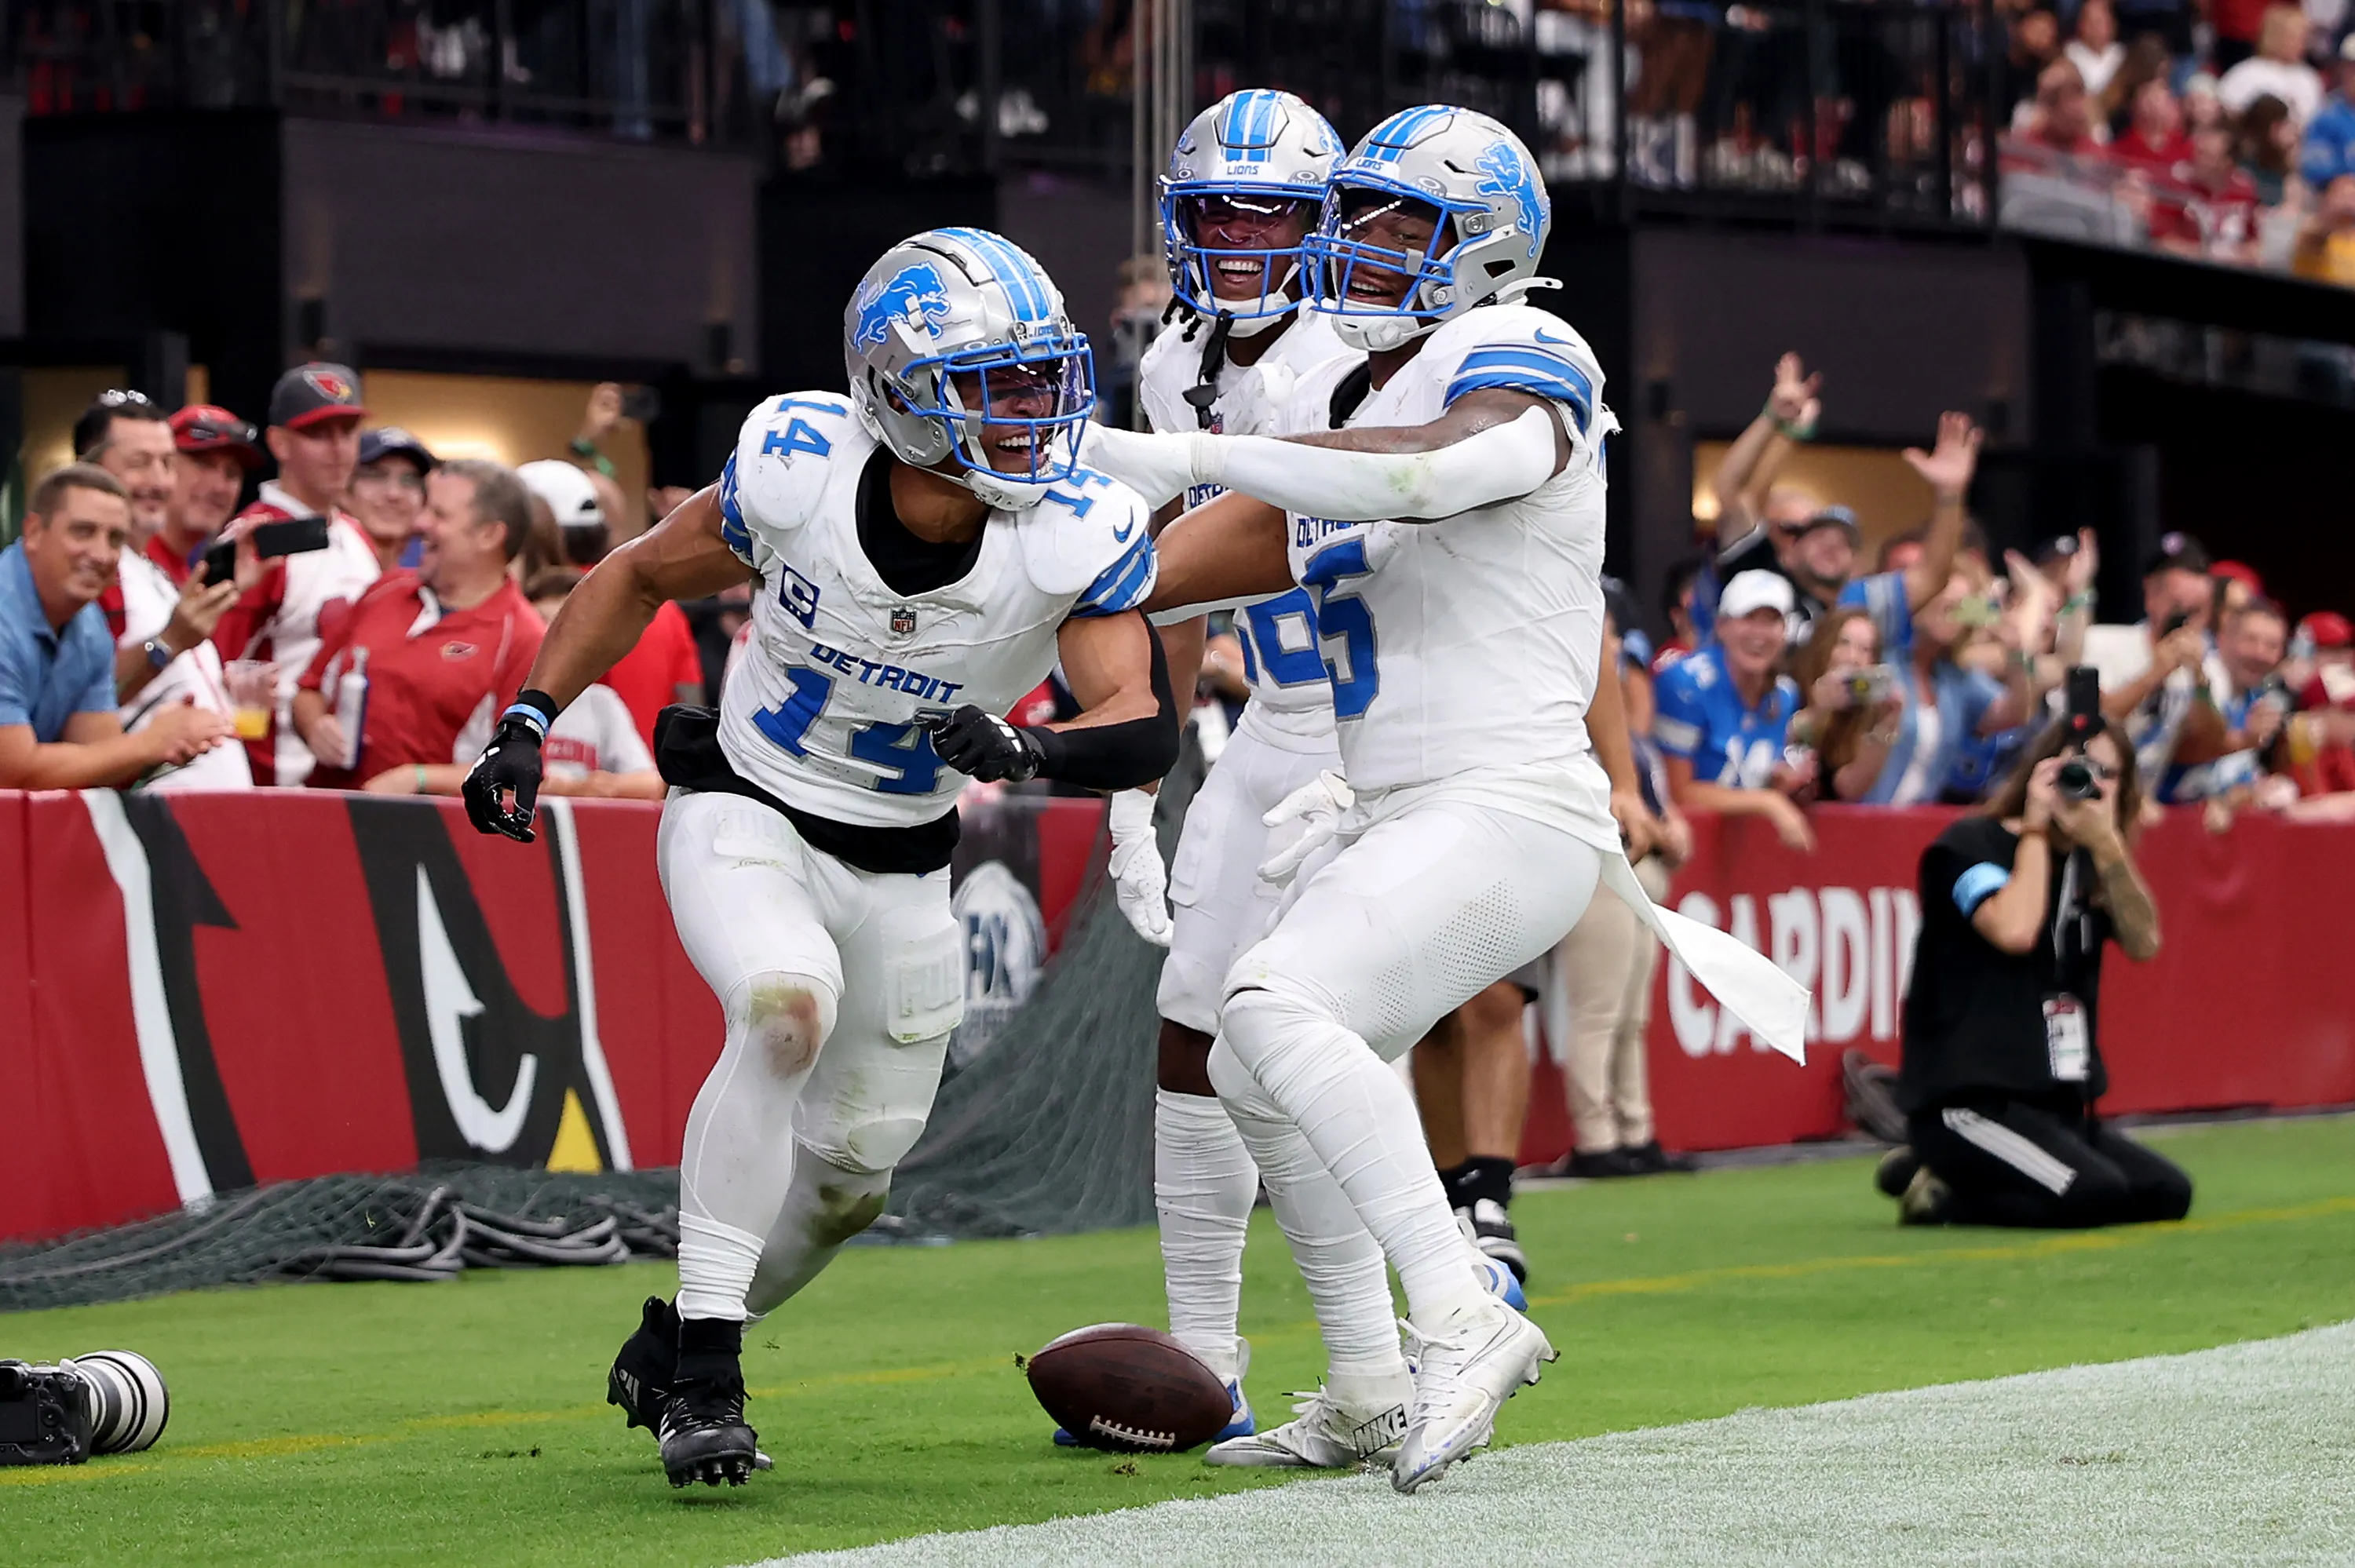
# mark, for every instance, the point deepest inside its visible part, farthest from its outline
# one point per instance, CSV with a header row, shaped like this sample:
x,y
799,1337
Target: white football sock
x,y
1339,1260
715,1267
1203,1184
1361,1121
738,1158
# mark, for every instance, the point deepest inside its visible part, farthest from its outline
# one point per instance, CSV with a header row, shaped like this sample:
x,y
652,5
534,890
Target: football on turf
x,y
1131,1389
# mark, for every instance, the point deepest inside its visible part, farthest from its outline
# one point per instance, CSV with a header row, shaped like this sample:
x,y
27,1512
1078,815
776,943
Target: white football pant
x,y
1396,925
841,988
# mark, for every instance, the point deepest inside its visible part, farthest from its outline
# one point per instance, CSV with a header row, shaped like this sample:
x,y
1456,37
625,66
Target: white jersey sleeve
x,y
771,482
1521,348
1467,642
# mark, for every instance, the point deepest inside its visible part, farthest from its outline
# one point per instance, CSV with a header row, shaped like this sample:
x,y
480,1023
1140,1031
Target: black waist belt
x,y
687,755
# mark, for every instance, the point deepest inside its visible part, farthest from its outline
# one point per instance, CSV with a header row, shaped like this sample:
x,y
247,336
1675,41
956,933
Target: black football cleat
x,y
703,1435
646,1366
1490,1225
1895,1172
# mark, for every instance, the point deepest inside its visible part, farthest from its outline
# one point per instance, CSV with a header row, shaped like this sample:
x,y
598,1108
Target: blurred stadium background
x,y
491,206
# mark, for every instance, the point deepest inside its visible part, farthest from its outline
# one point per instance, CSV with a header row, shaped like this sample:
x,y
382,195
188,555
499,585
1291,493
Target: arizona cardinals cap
x,y
311,393
210,427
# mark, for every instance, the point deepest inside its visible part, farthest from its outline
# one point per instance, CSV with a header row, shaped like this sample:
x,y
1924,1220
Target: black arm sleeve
x,y
1117,755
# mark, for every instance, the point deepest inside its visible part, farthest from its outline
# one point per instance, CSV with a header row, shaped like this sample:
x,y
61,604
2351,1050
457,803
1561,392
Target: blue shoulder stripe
x,y
732,532
1125,584
1526,370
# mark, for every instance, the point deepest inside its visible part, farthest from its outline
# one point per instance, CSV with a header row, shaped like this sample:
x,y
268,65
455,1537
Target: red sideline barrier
x,y
200,993
2245,1005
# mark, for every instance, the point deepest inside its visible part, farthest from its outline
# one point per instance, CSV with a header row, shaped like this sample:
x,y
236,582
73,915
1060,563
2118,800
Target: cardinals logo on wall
x,y
489,1076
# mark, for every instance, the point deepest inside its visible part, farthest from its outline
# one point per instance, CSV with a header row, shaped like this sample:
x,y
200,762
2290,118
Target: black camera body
x,y
108,1401
45,1418
2075,780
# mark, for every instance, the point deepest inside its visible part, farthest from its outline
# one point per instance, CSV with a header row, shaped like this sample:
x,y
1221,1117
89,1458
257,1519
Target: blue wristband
x,y
529,715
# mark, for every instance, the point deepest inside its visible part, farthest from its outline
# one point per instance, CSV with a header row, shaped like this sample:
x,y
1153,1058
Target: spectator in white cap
x,y
1725,712
664,668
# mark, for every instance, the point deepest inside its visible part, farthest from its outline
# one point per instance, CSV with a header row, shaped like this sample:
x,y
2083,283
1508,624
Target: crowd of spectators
x,y
2229,137
358,624
1794,678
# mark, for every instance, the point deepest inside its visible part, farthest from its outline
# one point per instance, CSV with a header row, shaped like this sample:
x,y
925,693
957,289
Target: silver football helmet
x,y
959,348
1241,163
1494,217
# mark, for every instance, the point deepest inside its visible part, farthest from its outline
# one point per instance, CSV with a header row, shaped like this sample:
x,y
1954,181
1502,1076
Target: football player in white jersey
x,y
924,550
1244,185
1453,535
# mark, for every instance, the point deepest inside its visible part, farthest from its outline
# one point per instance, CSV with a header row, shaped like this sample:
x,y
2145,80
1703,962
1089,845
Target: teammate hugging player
x,y
1453,536
1243,187
925,549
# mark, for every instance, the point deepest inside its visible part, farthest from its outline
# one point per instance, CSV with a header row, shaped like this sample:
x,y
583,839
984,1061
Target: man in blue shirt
x,y
1723,713
58,724
2329,148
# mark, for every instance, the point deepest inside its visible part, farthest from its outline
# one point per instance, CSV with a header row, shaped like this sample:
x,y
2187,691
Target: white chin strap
x,y
1373,335
1241,325
1004,490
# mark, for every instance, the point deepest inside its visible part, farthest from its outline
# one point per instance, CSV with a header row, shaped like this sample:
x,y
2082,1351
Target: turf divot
x,y
2239,1455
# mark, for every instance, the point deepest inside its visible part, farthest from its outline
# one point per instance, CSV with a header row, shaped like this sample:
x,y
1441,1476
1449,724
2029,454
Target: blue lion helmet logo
x,y
914,294
1509,178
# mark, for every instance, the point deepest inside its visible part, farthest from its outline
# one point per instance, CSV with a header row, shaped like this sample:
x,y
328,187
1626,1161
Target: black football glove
x,y
511,762
986,747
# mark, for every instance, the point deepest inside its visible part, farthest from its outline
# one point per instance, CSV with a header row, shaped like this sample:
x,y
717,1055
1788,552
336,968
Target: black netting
x,y
429,1225
1051,1130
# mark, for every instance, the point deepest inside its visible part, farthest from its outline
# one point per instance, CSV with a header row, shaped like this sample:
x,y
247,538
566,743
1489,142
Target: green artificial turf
x,y
464,1422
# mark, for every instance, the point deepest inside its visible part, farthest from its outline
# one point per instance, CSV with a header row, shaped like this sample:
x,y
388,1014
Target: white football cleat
x,y
1462,1379
1327,1432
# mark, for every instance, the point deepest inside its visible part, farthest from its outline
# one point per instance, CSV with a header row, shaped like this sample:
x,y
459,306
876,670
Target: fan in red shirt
x,y
2154,142
664,667
443,648
2211,208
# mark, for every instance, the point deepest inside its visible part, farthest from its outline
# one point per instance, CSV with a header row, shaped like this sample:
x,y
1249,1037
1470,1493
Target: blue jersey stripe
x,y
732,532
1124,585
1525,381
1518,355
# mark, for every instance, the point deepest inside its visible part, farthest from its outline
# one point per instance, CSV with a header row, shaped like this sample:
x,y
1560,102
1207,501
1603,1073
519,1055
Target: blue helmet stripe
x,y
1022,290
1394,135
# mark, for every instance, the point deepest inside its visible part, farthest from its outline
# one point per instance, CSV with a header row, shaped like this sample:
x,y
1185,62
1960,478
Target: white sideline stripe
x,y
2238,1455
593,1049
151,1013
2022,1153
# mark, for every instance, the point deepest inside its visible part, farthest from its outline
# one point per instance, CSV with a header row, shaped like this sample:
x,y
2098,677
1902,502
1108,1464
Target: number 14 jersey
x,y
824,711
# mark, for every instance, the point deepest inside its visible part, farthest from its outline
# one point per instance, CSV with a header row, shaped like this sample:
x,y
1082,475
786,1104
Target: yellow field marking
x,y
1658,1284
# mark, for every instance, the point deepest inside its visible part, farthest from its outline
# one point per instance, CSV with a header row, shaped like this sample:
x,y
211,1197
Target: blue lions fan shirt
x,y
47,676
1702,719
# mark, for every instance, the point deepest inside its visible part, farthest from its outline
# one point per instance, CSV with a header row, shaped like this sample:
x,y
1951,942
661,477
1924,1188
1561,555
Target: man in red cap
x,y
315,434
216,450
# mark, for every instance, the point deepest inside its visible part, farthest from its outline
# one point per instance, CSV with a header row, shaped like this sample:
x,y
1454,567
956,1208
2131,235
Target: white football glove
x,y
1140,881
1157,468
1313,813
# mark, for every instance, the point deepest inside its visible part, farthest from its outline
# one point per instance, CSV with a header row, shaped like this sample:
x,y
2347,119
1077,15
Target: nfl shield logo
x,y
904,621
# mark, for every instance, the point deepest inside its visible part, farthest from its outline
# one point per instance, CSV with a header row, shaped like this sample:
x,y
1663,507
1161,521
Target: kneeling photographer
x,y
2001,1065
